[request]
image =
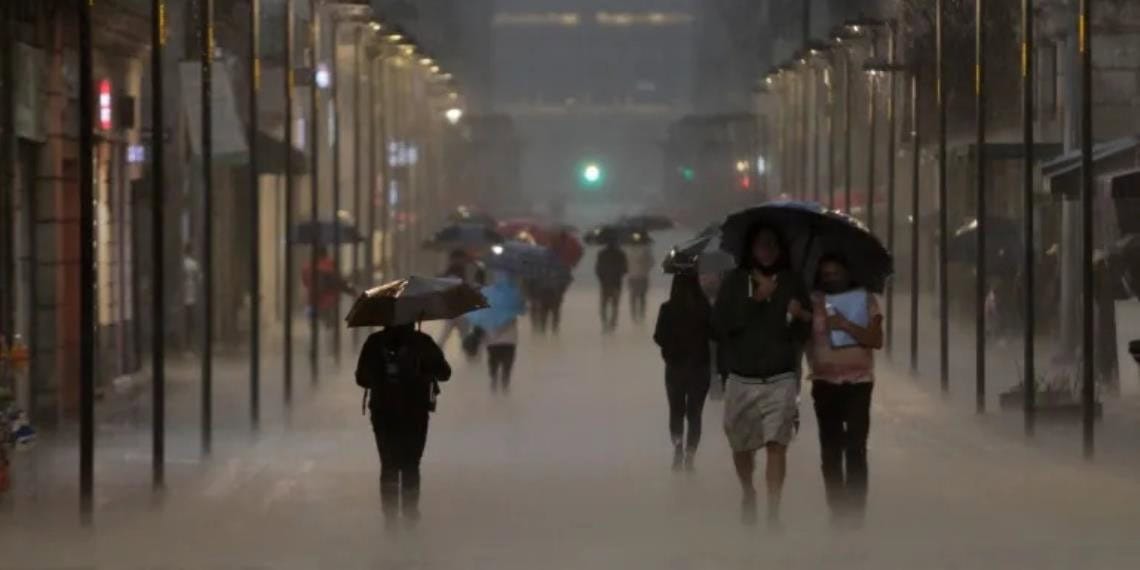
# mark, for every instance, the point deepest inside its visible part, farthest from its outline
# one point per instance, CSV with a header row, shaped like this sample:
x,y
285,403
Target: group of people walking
x,y
760,323
764,322
615,266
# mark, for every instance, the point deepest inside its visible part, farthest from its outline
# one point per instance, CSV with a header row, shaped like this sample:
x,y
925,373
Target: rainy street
x,y
571,471
570,284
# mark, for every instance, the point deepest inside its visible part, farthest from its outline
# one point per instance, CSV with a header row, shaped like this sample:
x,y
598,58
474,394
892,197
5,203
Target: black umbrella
x,y
647,222
413,300
463,236
616,234
468,215
811,231
698,254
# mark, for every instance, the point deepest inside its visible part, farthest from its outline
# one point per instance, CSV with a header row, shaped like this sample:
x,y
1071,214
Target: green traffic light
x,y
591,175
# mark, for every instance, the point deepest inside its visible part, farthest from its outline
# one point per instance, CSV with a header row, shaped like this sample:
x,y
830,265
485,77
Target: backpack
x,y
398,376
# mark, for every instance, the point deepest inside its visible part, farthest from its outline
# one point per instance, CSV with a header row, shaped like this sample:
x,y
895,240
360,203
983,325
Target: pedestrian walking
x,y
191,285
500,325
330,284
847,327
684,332
400,369
611,269
640,256
761,320
461,265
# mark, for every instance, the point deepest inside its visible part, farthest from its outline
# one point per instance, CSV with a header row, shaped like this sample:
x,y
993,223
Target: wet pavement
x,y
570,471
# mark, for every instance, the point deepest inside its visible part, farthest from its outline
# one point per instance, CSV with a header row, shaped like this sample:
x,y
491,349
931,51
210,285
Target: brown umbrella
x,y
414,299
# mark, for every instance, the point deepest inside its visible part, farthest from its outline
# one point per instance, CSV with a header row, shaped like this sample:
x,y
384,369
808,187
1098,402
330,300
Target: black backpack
x,y
399,377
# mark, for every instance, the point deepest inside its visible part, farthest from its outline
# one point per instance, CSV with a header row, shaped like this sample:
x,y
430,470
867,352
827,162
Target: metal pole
x,y
334,109
385,125
872,123
206,21
1088,372
359,121
254,218
158,243
805,151
832,111
290,278
815,134
370,196
87,277
847,104
980,173
314,191
915,217
892,149
1028,50
943,215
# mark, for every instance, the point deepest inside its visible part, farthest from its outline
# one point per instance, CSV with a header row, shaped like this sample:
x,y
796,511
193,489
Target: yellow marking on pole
x,y
1083,33
1025,59
162,32
256,73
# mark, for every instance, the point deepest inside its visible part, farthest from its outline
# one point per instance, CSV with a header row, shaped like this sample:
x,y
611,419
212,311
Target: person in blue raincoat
x,y
500,326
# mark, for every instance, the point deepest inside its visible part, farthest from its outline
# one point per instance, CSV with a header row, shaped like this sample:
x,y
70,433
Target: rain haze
x,y
569,284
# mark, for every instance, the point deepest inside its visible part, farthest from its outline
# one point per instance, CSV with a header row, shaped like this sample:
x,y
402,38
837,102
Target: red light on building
x,y
745,182
105,105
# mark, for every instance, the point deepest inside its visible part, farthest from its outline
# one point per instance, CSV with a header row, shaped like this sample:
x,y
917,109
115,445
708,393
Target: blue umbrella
x,y
527,261
505,304
812,230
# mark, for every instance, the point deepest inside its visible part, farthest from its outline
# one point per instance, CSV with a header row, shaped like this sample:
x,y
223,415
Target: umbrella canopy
x,y
517,228
506,303
470,215
527,261
412,300
811,231
647,222
463,236
326,232
617,234
698,254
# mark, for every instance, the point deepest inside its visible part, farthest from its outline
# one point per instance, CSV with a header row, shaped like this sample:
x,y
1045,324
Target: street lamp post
x,y
1028,102
158,241
87,277
892,151
254,218
314,189
290,278
1088,372
980,172
943,214
206,23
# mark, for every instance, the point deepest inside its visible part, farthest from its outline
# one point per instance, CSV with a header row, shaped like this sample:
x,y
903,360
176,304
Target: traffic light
x,y
591,175
688,173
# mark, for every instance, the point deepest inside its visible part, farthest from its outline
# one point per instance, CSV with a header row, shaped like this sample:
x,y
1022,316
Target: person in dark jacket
x,y
683,331
611,268
400,368
762,320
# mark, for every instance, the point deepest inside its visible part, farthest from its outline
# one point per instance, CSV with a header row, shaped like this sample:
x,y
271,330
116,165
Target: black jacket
x,y
683,334
757,340
401,368
611,267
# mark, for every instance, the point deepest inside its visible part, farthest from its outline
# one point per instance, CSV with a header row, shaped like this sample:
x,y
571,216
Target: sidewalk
x,y
1117,434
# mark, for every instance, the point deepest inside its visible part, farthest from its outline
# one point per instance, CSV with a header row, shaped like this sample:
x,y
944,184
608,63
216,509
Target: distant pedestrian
x,y
640,257
191,284
761,320
684,331
611,268
330,285
847,327
400,369
461,265
502,346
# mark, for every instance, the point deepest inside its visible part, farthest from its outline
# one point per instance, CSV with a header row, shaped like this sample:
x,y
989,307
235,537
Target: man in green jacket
x,y
761,320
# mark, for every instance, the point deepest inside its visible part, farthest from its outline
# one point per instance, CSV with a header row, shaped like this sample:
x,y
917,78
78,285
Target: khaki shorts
x,y
756,414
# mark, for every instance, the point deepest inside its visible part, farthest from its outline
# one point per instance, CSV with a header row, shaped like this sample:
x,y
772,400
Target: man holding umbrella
x,y
400,369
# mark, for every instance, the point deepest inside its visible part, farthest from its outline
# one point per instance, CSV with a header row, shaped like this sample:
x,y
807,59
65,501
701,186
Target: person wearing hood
x,y
400,369
683,332
761,319
847,327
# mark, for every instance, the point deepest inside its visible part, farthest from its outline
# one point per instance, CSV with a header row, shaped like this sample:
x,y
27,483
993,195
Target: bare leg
x,y
745,462
775,473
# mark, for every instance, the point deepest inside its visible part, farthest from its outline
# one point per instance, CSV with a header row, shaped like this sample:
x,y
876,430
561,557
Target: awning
x,y
271,155
229,132
1060,174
